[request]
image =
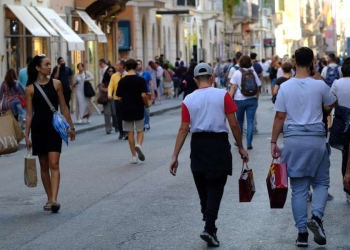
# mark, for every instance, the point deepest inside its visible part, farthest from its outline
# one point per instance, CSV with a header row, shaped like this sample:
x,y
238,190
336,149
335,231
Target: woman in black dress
x,y
46,142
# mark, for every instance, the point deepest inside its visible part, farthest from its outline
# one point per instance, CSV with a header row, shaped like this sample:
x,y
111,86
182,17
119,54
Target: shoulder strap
x,y
45,97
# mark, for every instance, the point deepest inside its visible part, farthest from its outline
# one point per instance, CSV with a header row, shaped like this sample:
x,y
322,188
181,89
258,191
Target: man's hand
x,y
173,166
244,155
110,97
275,151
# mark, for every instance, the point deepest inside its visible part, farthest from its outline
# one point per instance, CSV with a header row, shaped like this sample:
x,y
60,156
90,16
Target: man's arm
x,y
111,87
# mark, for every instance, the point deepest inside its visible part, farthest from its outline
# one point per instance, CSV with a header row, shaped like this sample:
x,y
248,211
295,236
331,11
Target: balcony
x,y
246,12
158,4
97,8
185,3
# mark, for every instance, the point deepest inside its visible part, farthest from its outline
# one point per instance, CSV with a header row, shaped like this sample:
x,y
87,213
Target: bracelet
x,y
73,129
273,142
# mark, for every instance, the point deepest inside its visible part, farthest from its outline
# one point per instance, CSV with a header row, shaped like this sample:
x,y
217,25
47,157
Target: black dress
x,y
45,138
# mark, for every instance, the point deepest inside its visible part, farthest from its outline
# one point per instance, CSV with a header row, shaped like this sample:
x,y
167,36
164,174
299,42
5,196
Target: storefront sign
x,y
123,35
269,43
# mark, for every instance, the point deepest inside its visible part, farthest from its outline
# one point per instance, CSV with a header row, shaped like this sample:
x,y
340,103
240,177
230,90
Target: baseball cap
x,y
203,69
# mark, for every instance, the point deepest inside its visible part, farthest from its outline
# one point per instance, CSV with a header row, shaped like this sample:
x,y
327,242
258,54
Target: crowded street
x,y
108,203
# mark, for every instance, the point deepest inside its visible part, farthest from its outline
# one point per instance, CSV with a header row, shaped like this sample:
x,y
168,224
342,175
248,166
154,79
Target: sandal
x,y
55,206
47,207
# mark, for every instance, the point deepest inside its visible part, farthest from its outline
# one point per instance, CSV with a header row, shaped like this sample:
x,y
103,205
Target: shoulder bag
x,y
58,121
88,89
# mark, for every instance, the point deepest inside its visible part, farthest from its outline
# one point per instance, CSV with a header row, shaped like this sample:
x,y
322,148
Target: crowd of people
x,y
304,91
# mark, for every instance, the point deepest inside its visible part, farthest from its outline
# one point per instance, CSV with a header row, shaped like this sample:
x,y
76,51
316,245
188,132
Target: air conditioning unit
x,y
266,11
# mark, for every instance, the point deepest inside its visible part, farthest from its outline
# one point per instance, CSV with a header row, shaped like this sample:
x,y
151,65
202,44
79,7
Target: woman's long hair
x,y
152,65
191,68
32,72
107,77
10,78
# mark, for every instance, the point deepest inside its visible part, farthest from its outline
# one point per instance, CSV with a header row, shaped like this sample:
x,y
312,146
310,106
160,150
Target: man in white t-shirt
x,y
299,112
332,71
235,66
265,79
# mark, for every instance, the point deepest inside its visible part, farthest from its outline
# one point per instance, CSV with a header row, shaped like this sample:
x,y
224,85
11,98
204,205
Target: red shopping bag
x,y
277,184
246,184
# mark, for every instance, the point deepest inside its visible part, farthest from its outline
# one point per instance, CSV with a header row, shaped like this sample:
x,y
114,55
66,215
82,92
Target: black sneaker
x,y
121,136
210,238
302,240
316,226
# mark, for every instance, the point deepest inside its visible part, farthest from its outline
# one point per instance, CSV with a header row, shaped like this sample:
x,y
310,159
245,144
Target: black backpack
x,y
249,87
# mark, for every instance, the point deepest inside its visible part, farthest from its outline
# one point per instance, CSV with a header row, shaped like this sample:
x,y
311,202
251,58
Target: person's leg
x,y
272,85
45,175
320,185
300,188
252,105
130,129
215,190
147,118
114,115
67,97
240,113
119,118
54,160
199,179
107,113
345,155
140,136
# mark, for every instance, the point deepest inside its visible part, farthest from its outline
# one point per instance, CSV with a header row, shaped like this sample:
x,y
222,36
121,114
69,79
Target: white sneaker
x,y
134,160
139,152
88,120
80,121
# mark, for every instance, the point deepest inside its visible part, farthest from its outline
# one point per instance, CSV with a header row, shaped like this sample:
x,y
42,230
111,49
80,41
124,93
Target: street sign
x,y
269,43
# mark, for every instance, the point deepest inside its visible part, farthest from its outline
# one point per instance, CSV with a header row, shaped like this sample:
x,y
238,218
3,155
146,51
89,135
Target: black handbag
x,y
88,89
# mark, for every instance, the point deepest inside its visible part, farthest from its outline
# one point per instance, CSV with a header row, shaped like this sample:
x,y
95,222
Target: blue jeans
x,y
146,118
248,106
300,187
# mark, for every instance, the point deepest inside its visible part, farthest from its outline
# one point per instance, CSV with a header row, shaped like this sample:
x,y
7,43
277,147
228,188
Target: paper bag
x,y
8,138
19,133
30,174
277,184
246,184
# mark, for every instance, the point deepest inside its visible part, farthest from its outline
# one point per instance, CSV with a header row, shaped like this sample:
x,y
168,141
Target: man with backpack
x,y
233,68
332,71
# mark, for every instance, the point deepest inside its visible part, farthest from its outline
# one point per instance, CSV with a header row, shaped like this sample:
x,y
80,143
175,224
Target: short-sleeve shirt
x,y
206,109
237,79
64,76
341,89
130,89
23,77
301,100
147,76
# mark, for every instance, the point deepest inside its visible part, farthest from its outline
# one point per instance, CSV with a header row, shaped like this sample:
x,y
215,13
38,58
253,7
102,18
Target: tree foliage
x,y
228,7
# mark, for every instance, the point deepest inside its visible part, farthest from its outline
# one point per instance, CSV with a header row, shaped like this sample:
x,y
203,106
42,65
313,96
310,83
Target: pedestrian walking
x,y
332,71
211,158
150,92
341,89
10,91
159,79
187,83
22,75
112,95
305,148
274,66
83,102
65,75
109,111
168,81
45,141
247,104
287,74
132,90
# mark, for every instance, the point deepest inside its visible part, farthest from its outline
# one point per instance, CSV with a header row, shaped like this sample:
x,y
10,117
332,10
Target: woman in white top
x,y
246,104
83,103
341,89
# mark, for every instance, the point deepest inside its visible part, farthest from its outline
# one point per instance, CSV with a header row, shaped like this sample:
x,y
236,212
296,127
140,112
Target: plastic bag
x,y
61,126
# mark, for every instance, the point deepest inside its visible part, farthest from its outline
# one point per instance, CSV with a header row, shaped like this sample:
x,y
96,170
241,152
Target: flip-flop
x,y
55,206
47,207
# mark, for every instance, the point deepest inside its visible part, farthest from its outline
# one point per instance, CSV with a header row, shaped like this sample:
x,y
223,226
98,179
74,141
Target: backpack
x,y
248,87
332,74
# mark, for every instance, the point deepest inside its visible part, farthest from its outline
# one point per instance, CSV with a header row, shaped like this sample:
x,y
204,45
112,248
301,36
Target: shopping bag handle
x,y
244,166
29,153
275,160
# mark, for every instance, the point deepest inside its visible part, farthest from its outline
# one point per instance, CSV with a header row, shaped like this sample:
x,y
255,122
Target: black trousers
x,y
345,161
210,187
118,110
67,96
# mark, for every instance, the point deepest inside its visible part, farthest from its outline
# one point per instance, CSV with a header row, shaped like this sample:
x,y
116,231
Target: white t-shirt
x,y
341,89
232,71
102,72
332,65
237,79
302,100
265,68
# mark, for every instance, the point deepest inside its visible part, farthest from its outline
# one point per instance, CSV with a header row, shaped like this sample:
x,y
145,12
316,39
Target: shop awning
x,y
73,40
43,22
101,37
28,21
